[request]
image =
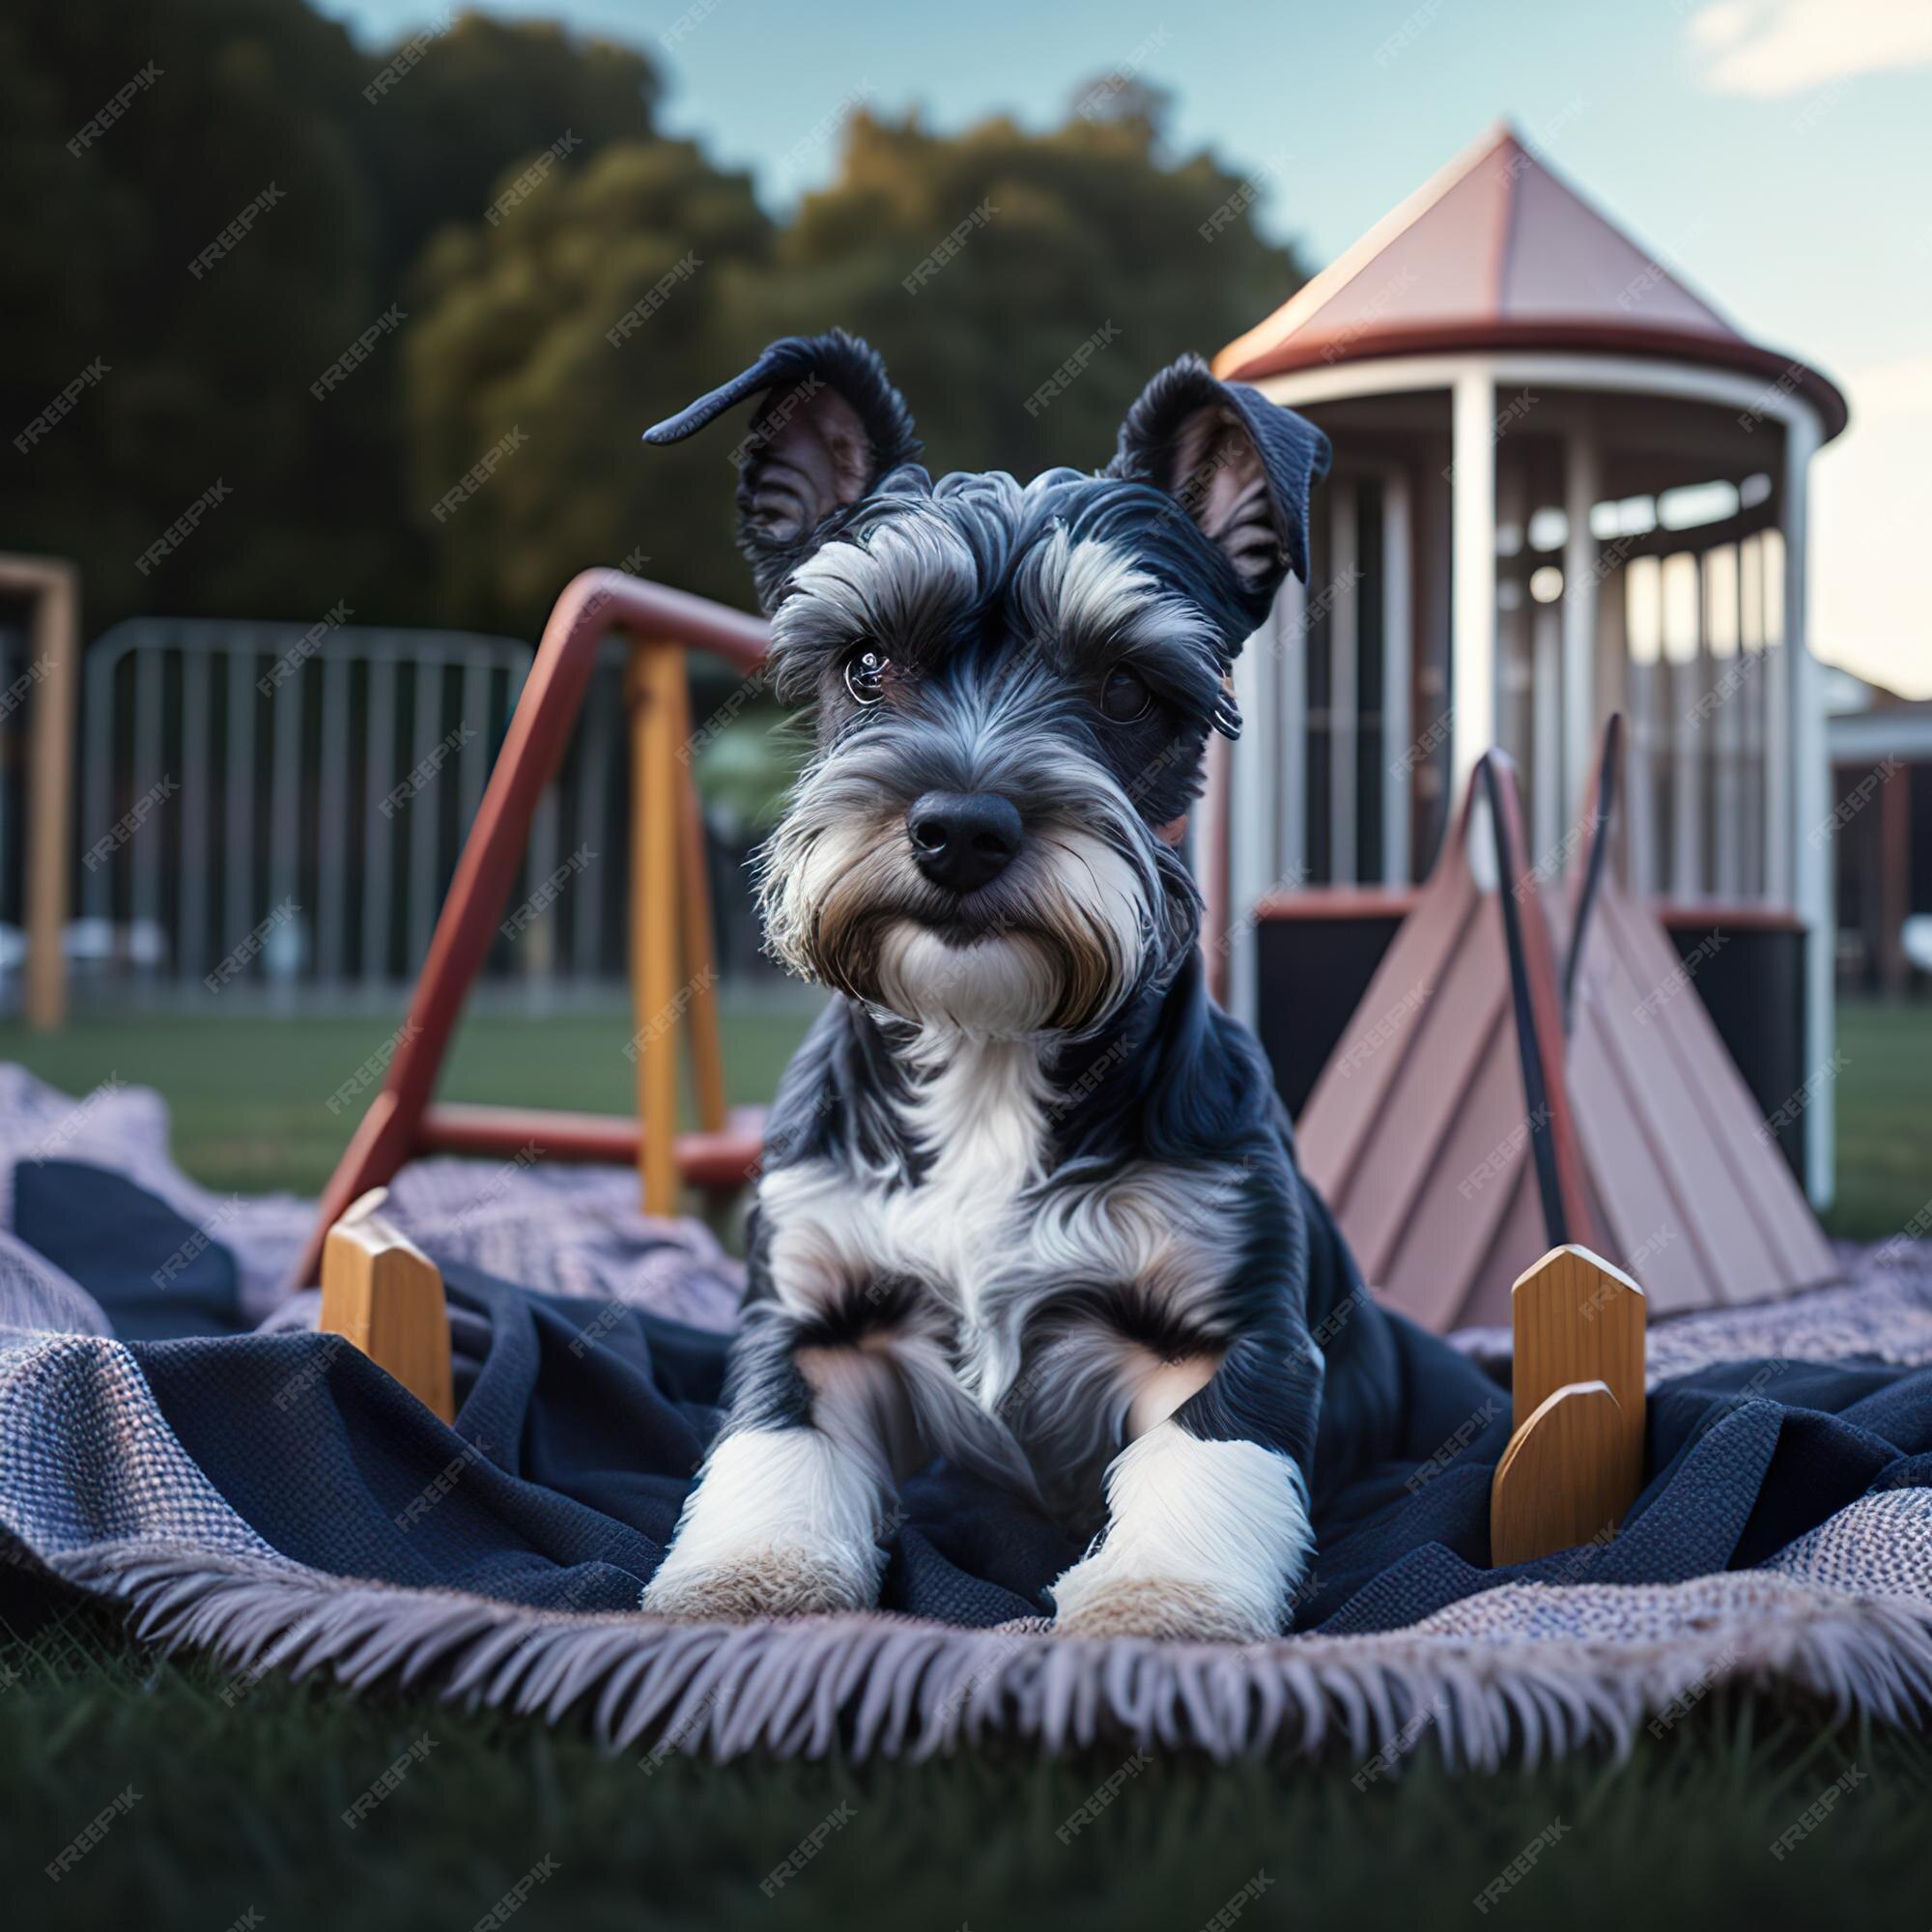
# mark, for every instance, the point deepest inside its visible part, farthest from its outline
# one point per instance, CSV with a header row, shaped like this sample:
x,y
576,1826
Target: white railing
x,y
1342,777
278,808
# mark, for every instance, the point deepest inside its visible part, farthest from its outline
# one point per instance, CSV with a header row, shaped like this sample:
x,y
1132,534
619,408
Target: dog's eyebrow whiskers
x,y
908,577
1096,601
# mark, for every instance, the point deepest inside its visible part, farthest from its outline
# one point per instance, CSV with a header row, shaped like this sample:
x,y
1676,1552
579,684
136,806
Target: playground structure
x,y
1565,487
672,977
1530,1064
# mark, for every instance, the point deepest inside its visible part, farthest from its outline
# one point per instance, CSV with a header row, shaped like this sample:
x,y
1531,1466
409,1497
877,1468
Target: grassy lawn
x,y
240,1801
239,1806
1885,1119
249,1096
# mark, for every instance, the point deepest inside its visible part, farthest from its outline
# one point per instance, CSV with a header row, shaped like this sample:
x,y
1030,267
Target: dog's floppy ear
x,y
1240,465
828,426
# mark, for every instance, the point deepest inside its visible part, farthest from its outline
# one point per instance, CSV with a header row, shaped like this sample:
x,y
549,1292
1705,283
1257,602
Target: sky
x,y
1775,152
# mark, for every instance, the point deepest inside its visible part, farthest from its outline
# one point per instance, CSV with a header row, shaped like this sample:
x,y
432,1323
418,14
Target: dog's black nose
x,y
962,838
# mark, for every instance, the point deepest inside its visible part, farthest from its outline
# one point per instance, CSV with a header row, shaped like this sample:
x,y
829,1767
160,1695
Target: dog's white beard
x,y
799,874
998,988
1069,937
1094,931
1099,901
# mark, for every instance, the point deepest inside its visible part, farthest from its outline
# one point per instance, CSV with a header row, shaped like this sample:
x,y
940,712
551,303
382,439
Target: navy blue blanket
x,y
579,1435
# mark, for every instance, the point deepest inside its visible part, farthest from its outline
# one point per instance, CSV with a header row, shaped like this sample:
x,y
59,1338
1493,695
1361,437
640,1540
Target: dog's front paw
x,y
1102,1606
782,1583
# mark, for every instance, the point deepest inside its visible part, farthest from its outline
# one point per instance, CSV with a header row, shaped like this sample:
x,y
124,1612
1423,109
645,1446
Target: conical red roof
x,y
1497,251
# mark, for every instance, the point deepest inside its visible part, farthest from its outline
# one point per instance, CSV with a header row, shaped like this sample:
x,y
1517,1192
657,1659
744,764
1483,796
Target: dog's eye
x,y
866,676
1124,697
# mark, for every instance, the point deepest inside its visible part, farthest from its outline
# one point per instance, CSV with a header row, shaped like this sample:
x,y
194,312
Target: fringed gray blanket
x,y
262,1493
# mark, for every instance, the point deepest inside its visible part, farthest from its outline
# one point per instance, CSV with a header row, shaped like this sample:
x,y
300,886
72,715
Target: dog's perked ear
x,y
1241,466
829,426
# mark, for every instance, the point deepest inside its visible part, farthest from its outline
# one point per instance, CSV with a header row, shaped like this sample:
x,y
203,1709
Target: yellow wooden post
x,y
654,693
1557,1486
53,667
381,1292
701,969
1574,1463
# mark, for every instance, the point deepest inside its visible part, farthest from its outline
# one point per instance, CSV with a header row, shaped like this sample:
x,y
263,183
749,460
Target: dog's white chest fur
x,y
979,1111
979,1114
978,1229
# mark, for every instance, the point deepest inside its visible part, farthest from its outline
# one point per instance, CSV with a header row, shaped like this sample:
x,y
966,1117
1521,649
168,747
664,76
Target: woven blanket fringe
x,y
898,1687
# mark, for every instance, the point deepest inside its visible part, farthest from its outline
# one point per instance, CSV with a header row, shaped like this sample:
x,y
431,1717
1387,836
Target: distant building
x,y
1565,484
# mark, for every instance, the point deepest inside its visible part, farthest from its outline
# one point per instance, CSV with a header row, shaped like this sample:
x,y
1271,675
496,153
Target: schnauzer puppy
x,y
1028,1199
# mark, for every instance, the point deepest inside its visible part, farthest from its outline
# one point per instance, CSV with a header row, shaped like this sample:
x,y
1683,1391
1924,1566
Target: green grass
x,y
1884,1119
240,1805
249,1096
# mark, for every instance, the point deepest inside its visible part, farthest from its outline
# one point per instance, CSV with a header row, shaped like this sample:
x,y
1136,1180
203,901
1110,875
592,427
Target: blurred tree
x,y
983,265
1022,286
444,128
601,303
979,264
342,163
199,365
1121,95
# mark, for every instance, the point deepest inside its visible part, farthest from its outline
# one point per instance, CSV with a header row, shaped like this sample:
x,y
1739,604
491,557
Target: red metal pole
x,y
592,603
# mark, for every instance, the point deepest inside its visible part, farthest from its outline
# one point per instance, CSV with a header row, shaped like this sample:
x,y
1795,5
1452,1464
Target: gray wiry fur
x,y
1009,688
